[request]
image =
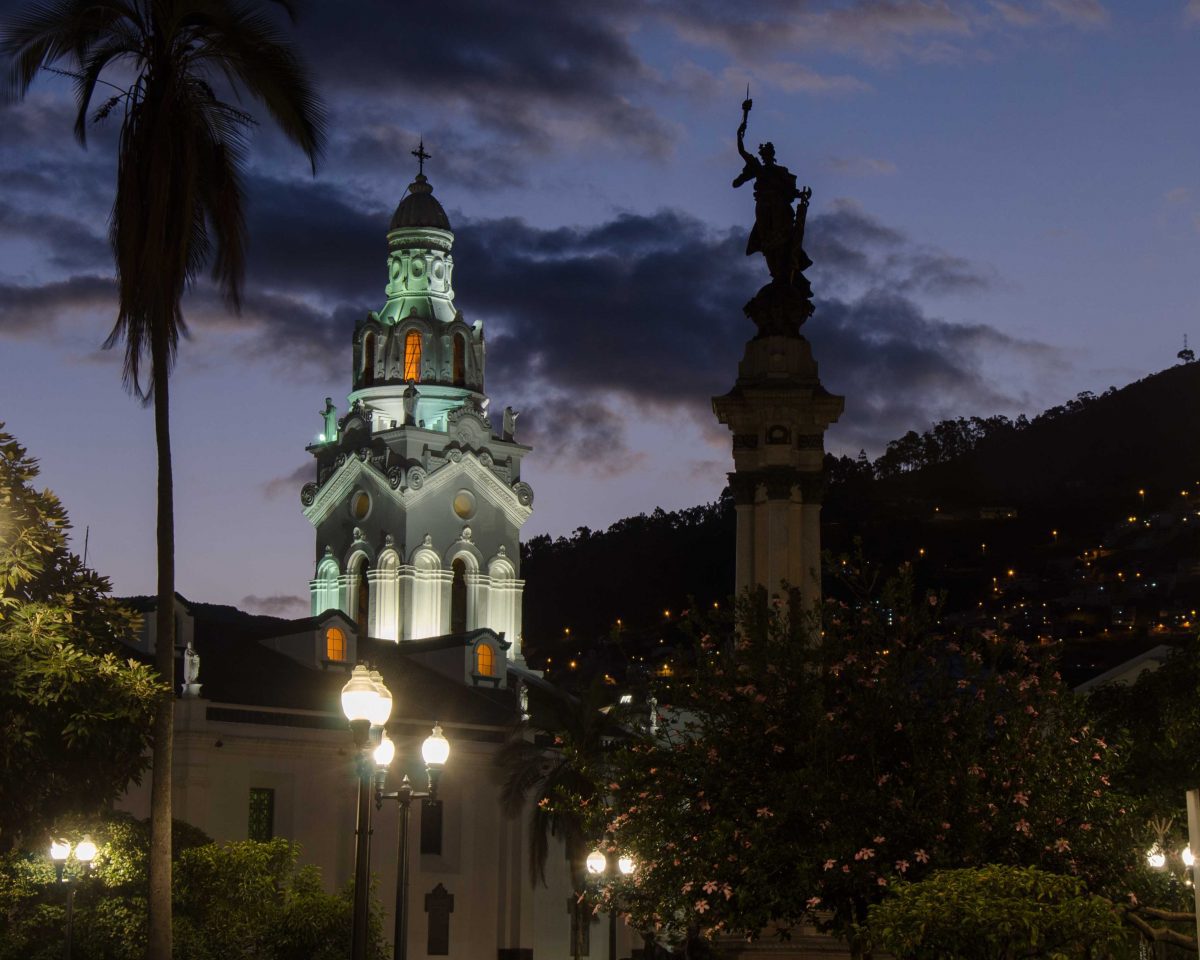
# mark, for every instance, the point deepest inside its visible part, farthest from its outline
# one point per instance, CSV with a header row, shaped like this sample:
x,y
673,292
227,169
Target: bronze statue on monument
x,y
778,234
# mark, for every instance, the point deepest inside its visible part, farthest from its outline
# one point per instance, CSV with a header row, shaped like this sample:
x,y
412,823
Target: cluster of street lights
x,y
367,704
60,854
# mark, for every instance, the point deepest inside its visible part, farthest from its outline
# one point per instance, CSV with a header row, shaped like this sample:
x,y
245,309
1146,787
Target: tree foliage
x,y
77,713
995,913
792,780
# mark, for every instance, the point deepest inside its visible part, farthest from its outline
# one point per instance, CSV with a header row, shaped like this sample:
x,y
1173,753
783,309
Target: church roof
x,y
419,208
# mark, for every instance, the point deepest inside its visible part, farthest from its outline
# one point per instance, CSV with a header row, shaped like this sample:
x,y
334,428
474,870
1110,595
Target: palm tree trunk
x,y
158,943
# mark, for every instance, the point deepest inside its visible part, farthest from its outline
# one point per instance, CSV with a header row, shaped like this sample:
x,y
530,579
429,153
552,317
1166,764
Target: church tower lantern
x,y
418,500
778,411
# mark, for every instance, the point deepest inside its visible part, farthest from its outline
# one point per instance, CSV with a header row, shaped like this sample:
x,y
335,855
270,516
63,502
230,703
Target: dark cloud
x,y
591,326
33,310
567,428
535,74
73,245
853,249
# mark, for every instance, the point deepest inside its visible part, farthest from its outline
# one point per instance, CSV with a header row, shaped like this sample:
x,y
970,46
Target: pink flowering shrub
x,y
801,774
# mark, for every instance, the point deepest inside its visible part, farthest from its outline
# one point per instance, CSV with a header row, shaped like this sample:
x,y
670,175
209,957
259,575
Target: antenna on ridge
x,y
1187,355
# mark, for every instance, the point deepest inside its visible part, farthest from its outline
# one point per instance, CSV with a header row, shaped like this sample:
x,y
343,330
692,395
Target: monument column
x,y
778,411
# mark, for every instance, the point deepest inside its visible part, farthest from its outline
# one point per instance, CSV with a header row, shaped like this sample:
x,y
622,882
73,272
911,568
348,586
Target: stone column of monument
x,y
778,411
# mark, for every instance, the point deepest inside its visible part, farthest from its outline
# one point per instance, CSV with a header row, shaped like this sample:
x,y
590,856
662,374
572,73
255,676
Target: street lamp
x,y
367,704
60,853
597,864
435,751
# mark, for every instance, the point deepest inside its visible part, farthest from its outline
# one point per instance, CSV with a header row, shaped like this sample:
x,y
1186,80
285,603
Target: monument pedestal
x,y
778,413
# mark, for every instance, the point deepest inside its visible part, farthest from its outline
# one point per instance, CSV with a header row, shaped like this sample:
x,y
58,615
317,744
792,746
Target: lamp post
x,y
598,864
60,853
367,704
435,751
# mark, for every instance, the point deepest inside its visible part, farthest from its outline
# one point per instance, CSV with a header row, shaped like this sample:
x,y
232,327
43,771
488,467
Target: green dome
x,y
419,208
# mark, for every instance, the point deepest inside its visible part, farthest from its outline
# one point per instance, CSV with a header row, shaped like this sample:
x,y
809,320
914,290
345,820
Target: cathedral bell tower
x,y
778,411
418,500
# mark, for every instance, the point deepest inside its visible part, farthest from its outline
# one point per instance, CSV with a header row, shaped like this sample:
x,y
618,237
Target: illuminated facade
x,y
418,501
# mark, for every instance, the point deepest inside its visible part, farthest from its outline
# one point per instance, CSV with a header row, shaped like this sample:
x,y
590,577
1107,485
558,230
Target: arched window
x,y
335,644
460,360
484,660
458,597
412,356
368,374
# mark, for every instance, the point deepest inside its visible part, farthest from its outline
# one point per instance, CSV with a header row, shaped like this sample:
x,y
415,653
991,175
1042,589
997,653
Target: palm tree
x,y
178,208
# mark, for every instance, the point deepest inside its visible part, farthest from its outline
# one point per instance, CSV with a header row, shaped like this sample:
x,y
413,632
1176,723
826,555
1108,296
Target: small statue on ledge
x,y
778,234
509,424
330,417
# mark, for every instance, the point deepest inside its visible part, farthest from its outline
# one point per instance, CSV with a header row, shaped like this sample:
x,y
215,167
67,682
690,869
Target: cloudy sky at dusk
x,y
1006,211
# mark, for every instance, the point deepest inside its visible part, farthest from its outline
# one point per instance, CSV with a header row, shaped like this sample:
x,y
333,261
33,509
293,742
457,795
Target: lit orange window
x,y
335,644
412,356
483,660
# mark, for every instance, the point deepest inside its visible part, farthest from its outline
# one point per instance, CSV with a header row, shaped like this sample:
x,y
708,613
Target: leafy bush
x,y
995,913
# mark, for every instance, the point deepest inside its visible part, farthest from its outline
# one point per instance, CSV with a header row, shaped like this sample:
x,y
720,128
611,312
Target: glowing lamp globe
x,y
625,865
595,862
385,751
435,751
1156,858
382,707
85,850
59,850
1189,858
359,695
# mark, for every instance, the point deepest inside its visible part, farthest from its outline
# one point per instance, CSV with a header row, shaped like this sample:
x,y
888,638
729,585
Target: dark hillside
x,y
1081,514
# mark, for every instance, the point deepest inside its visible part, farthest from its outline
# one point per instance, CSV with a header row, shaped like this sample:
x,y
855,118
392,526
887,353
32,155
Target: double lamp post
x,y
60,853
367,704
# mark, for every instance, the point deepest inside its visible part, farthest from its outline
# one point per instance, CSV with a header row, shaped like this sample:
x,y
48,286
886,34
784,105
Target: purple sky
x,y
1006,211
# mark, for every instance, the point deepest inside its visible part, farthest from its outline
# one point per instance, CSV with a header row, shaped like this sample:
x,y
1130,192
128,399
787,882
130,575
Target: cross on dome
x,y
421,156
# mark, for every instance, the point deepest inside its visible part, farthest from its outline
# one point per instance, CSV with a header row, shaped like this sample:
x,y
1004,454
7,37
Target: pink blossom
x,y
1061,845
1022,826
866,853
921,856
813,903
902,866
701,906
763,812
830,864
878,839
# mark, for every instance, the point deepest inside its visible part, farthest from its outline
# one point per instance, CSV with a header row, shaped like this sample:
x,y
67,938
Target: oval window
x,y
360,505
464,504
